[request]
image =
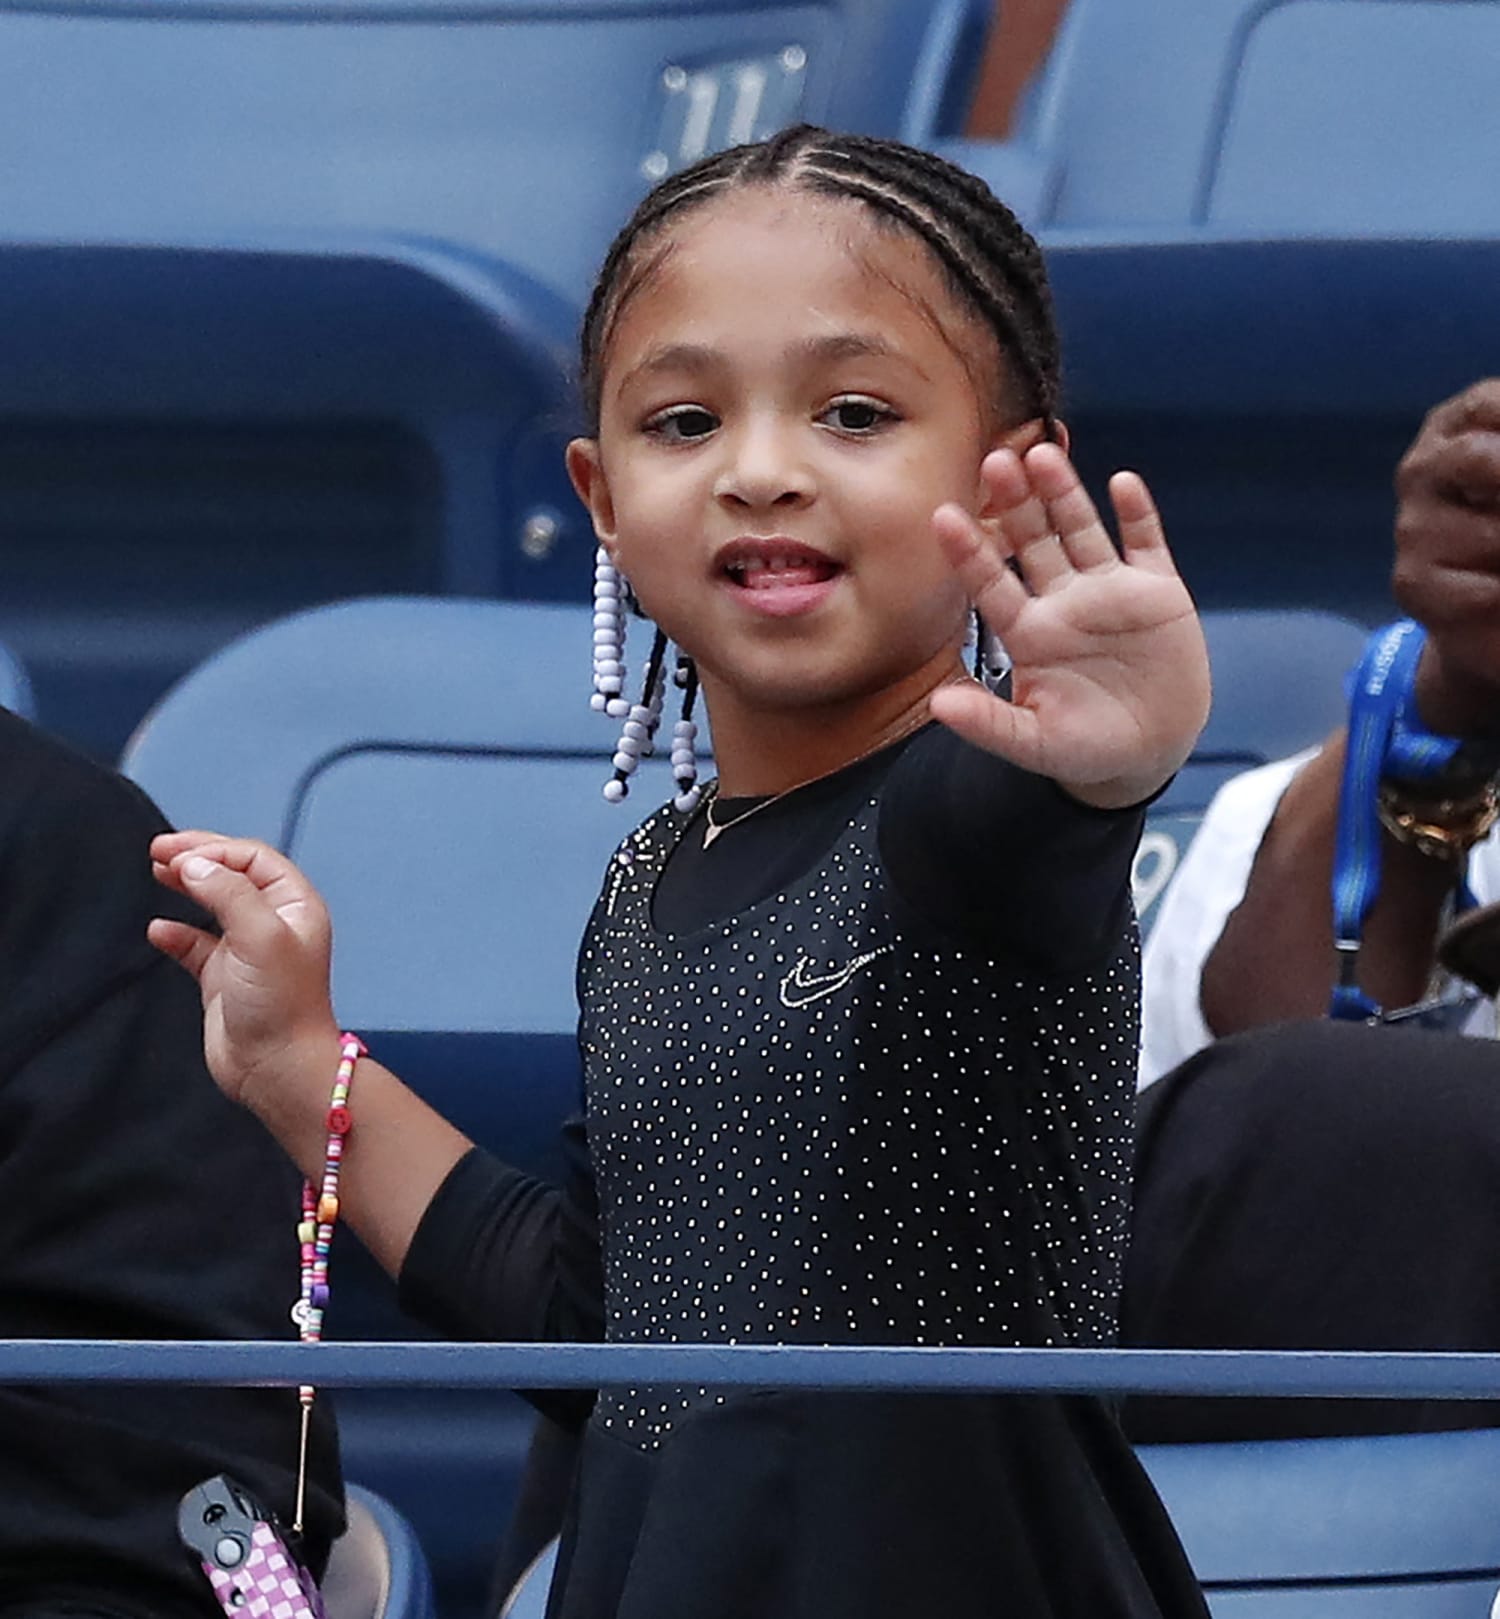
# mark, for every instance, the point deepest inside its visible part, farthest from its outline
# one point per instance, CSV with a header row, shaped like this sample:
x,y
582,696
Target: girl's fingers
x,y
166,876
1141,533
241,854
190,946
982,568
267,869
243,908
1026,527
166,846
1084,539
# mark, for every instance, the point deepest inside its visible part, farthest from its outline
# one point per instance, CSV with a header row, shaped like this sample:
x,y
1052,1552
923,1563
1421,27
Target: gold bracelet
x,y
1440,828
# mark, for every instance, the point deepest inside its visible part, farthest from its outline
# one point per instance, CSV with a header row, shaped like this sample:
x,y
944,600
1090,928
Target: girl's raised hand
x,y
1110,683
264,978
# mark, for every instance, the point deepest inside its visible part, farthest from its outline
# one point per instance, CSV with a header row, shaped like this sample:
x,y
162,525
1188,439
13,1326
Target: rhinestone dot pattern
x,y
812,1125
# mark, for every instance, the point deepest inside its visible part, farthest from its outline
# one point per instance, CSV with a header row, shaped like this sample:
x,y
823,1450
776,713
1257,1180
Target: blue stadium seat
x,y
376,1569
1324,117
435,767
1267,389
525,129
1278,688
201,439
1398,1526
15,685
528,1600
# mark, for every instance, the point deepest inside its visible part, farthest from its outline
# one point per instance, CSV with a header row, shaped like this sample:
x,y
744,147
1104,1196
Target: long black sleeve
x,y
504,1256
994,856
500,1255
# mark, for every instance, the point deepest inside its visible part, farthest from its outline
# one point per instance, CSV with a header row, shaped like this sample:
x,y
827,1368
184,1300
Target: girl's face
x,y
786,398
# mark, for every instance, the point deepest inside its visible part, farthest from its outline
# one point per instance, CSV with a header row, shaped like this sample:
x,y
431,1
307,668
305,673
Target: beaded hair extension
x,y
638,735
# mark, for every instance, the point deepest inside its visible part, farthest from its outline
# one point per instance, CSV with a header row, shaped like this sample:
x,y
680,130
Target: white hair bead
x,y
615,791
609,636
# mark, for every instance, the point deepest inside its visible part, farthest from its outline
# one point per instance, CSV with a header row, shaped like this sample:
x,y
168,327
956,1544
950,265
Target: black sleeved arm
x,y
1005,860
500,1255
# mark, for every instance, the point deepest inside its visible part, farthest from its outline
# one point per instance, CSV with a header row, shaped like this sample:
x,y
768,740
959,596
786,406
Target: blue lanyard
x,y
1384,735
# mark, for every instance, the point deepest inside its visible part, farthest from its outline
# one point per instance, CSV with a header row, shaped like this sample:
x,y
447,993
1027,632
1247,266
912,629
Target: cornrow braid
x,y
991,260
988,258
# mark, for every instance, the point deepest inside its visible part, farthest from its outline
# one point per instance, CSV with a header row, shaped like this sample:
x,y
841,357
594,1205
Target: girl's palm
x,y
1110,679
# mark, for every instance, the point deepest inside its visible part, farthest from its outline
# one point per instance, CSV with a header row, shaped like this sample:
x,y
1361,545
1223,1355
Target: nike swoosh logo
x,y
801,986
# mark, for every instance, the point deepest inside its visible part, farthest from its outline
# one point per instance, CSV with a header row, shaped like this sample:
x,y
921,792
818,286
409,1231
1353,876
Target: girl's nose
x,y
763,469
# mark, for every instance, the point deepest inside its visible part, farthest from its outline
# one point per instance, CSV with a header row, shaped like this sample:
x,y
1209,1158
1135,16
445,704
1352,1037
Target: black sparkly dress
x,y
884,1100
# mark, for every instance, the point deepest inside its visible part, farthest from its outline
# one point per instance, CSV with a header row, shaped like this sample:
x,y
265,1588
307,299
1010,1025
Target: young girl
x,y
859,1028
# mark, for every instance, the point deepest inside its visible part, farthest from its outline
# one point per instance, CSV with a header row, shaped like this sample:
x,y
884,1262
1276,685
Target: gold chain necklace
x,y
713,830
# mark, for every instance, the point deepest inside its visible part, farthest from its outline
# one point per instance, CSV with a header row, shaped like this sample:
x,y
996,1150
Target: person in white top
x,y
1244,937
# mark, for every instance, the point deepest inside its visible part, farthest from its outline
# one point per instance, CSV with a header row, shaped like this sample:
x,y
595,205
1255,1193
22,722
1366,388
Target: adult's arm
x,y
1274,959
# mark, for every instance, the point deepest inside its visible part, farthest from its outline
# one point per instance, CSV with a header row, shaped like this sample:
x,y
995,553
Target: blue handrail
x,y
1292,1374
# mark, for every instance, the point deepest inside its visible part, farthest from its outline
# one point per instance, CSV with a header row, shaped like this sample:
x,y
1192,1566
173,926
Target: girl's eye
x,y
858,415
682,424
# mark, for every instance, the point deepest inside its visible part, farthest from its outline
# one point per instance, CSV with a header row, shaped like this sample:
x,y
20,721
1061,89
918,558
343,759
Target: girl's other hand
x,y
264,978
1110,684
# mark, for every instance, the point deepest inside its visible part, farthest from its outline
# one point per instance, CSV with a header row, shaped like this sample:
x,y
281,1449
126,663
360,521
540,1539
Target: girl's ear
x,y
1022,438
587,472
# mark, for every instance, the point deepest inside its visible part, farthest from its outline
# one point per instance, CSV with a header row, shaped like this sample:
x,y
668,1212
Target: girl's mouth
x,y
775,564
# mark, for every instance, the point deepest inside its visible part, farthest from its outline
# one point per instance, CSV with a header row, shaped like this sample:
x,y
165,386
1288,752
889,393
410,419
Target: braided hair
x,y
988,258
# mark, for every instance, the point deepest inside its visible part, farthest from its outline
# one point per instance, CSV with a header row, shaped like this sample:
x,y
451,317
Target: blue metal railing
x,y
1239,1373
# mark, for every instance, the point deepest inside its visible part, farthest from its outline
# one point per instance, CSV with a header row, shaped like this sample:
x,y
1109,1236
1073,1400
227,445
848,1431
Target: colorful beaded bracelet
x,y
320,1213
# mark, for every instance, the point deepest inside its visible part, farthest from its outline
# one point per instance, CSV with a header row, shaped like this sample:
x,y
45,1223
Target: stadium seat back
x,y
1399,1526
1321,116
435,768
523,128
15,685
196,440
1278,688
1348,118
376,1569
1267,390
